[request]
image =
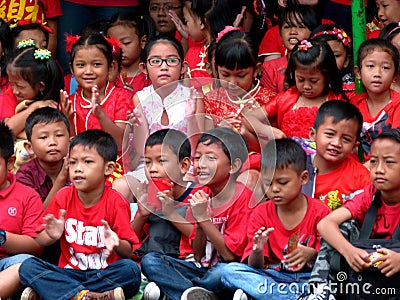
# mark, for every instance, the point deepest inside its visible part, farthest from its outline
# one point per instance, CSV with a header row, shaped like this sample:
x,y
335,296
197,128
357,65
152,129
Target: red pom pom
x,y
70,41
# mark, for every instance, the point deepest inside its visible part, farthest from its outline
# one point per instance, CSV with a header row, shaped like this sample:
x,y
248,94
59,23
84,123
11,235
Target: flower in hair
x,y
225,31
26,43
304,45
116,46
42,54
70,41
340,34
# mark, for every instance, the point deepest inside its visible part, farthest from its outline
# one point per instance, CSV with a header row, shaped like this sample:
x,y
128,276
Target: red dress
x,y
138,82
197,57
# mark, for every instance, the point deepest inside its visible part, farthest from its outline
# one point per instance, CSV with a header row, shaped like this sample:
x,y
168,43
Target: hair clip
x,y
304,45
225,31
340,34
28,22
42,54
26,43
115,45
70,41
394,29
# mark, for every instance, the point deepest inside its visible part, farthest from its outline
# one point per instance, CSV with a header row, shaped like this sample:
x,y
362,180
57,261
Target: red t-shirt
x,y
340,185
117,3
8,102
387,217
387,118
116,103
82,243
265,215
20,210
231,220
12,10
272,43
273,74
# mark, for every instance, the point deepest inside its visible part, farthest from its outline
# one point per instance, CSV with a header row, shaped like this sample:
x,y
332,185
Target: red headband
x,y
340,34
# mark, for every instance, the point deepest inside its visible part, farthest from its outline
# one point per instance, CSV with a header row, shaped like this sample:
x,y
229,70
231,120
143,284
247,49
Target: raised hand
x,y
111,239
96,107
190,107
260,239
55,227
199,203
66,104
178,24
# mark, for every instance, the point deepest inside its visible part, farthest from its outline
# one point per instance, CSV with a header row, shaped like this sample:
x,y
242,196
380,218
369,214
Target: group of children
x,y
235,179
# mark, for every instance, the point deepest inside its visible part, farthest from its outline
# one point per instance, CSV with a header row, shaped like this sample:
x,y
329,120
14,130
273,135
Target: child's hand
x,y
55,227
297,259
96,107
178,24
357,258
66,104
278,134
141,196
260,238
390,262
200,204
63,174
136,118
190,107
167,202
111,239
232,121
239,17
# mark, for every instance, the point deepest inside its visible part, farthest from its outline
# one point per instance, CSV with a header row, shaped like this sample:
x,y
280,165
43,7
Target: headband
x,y
225,31
28,22
340,34
394,29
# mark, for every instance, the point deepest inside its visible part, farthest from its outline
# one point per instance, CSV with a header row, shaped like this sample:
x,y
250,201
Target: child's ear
x,y
236,166
356,144
257,69
109,169
11,163
304,177
28,148
347,61
42,86
184,69
184,165
357,72
313,134
142,67
142,41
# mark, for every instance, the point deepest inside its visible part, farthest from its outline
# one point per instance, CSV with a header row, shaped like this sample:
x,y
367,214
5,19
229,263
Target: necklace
x,y
124,77
247,99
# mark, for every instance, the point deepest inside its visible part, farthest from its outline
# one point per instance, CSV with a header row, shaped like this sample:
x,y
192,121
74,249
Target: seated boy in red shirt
x,y
282,238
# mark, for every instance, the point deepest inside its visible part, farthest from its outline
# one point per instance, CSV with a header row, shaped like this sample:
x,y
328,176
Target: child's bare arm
x,y
17,244
53,230
58,183
199,204
260,239
329,230
199,244
390,262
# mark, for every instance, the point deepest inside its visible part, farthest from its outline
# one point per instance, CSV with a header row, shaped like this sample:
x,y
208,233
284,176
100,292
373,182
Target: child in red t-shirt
x,y
336,174
282,239
220,218
92,222
385,170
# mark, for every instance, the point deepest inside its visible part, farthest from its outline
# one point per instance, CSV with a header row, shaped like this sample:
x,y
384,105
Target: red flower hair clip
x,y
304,45
116,46
225,31
28,22
340,34
70,41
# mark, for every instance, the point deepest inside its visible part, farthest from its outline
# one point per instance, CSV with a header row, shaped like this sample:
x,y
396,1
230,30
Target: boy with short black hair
x,y
282,240
20,210
47,130
335,172
92,222
220,218
385,170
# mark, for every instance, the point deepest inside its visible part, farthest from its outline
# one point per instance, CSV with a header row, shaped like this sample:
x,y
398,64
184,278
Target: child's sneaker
x,y
322,292
29,294
198,293
151,292
115,294
240,295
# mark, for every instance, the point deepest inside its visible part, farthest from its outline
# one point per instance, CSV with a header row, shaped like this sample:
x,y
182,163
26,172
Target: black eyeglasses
x,y
170,61
158,8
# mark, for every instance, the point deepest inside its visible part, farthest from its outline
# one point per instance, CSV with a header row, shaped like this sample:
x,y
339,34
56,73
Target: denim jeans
x,y
52,282
264,284
173,276
76,17
8,261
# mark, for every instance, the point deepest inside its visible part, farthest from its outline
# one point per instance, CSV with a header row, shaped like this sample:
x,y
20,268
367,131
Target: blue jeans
x,y
173,276
8,261
78,16
264,284
52,282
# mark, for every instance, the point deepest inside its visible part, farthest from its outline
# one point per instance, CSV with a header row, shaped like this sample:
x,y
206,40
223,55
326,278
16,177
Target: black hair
x,y
283,153
222,13
102,141
96,40
135,21
390,134
7,45
176,140
236,50
44,115
200,8
165,39
318,56
389,31
7,141
232,143
299,14
38,70
371,45
19,28
96,27
340,111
